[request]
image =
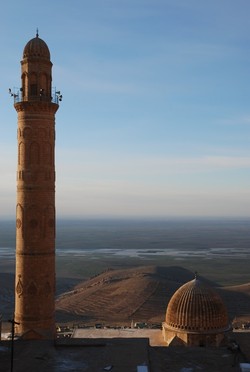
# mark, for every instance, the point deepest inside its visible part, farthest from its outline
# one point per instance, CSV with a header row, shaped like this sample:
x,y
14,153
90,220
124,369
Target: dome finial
x,y
196,274
37,34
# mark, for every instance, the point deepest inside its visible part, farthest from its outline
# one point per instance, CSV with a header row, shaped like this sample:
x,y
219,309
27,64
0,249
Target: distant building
x,y
196,316
36,106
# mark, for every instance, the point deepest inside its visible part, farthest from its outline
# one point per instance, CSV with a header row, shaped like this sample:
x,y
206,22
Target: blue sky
x,y
155,117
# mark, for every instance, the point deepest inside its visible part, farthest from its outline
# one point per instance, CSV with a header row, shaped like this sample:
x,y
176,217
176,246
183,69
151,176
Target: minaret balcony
x,y
18,96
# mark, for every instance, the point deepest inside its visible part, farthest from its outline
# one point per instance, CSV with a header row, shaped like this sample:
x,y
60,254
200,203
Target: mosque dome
x,y
36,47
196,308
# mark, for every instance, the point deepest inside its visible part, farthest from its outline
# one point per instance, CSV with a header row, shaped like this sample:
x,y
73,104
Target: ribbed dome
x,y
36,47
195,307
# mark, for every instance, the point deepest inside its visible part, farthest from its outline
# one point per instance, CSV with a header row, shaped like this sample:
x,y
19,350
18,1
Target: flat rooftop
x,y
153,335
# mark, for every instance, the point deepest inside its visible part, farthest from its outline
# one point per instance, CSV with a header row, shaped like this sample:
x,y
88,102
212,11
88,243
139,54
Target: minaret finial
x,y
37,32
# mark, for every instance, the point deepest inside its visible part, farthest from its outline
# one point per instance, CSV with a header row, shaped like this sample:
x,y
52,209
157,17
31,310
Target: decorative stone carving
x,y
21,153
19,287
19,218
18,223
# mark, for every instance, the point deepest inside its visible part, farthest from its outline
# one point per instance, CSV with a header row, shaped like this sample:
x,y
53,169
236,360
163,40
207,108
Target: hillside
x,y
138,294
120,296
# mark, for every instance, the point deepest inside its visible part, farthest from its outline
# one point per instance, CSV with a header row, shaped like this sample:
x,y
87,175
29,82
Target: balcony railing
x,y
17,95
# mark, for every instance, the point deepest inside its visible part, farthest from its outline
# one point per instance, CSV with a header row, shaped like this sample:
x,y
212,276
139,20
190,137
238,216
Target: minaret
x,y
35,210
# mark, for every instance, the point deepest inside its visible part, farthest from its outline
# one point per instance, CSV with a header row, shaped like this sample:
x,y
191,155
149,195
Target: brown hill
x,y
120,296
138,294
243,288
237,299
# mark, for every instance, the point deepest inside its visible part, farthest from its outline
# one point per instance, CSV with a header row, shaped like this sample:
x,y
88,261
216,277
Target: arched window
x,y
33,84
21,153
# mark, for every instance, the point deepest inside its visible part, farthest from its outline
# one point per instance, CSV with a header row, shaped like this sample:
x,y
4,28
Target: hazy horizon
x,y
217,248
138,218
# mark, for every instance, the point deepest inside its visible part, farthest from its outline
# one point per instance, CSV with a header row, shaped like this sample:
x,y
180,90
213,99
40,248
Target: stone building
x,y
196,316
36,106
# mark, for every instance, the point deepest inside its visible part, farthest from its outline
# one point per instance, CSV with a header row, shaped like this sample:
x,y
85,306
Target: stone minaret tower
x,y
35,210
